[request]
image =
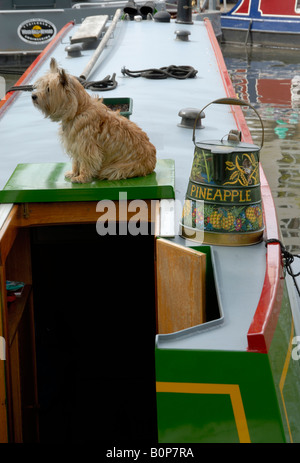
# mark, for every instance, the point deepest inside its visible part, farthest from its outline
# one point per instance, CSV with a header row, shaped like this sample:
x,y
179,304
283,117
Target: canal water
x,y
269,79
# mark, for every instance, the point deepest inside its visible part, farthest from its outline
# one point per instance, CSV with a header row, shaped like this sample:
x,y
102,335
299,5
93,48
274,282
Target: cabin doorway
x,y
94,308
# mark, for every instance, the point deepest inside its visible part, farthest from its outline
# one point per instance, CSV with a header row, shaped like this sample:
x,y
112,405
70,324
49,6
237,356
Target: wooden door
x,y
180,286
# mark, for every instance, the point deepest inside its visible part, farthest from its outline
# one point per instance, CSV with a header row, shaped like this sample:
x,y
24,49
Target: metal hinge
x,y
25,210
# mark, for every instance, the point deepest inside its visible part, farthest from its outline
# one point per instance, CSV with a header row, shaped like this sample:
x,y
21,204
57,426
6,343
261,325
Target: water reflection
x,y
269,79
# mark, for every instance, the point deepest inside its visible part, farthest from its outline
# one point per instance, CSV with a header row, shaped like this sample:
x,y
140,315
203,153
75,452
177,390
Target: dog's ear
x,y
63,78
53,65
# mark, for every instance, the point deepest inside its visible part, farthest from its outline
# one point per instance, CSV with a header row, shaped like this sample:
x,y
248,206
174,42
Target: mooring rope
x,y
108,83
177,72
24,88
288,259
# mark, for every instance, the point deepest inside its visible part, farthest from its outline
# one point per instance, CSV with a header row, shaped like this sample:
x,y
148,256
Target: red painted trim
x,y
261,330
268,8
9,98
264,322
236,110
278,8
243,8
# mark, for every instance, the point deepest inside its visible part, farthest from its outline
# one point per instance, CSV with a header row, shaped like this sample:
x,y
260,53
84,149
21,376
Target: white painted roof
x,y
27,137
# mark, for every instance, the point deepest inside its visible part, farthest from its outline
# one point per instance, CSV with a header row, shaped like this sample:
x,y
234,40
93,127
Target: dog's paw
x,y
70,174
80,179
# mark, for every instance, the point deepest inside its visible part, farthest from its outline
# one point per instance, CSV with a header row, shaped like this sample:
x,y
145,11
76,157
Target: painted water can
x,y
223,199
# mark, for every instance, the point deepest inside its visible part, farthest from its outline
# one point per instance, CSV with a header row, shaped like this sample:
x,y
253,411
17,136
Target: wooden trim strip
x,y
8,233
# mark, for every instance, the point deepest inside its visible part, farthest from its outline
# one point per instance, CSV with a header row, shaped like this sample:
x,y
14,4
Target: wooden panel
x,y
15,313
90,29
16,391
3,364
28,375
23,391
180,286
86,212
8,234
18,261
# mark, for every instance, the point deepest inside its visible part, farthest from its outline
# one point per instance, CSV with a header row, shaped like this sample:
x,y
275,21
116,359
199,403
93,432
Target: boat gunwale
x,y
264,322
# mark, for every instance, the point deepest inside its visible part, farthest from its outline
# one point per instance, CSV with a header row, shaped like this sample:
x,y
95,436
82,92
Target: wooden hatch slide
x,y
180,287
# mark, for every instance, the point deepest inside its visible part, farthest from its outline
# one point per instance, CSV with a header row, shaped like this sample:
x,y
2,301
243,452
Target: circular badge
x,y
36,31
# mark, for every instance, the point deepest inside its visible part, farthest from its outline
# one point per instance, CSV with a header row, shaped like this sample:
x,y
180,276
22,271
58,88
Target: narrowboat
x,y
27,26
158,309
271,23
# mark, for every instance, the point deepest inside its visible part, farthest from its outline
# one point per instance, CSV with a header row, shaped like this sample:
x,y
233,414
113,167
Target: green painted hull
x,y
218,396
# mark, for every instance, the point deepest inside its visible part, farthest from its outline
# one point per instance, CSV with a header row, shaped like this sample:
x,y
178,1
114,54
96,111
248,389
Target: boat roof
x,y
27,137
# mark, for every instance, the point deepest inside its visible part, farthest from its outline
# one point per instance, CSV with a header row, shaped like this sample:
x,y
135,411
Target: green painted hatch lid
x,y
46,183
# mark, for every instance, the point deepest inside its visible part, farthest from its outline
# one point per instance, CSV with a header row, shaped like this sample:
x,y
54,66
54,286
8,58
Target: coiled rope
x,y
177,72
288,259
109,82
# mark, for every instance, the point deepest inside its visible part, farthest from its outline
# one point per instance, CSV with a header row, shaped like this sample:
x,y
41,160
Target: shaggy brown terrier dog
x,y
102,143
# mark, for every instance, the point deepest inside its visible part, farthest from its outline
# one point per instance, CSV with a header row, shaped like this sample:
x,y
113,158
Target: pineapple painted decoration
x,y
215,218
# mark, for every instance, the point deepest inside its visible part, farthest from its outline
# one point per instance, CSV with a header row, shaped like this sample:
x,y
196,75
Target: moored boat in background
x,y
274,23
28,26
168,339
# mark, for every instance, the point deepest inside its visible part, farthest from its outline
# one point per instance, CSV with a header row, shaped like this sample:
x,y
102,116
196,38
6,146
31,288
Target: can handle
x,y
230,101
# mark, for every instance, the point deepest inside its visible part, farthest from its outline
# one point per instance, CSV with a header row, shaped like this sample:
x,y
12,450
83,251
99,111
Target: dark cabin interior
x,y
94,306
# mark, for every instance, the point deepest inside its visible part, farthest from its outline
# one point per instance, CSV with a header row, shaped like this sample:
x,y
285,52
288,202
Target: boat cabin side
x,y
94,298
